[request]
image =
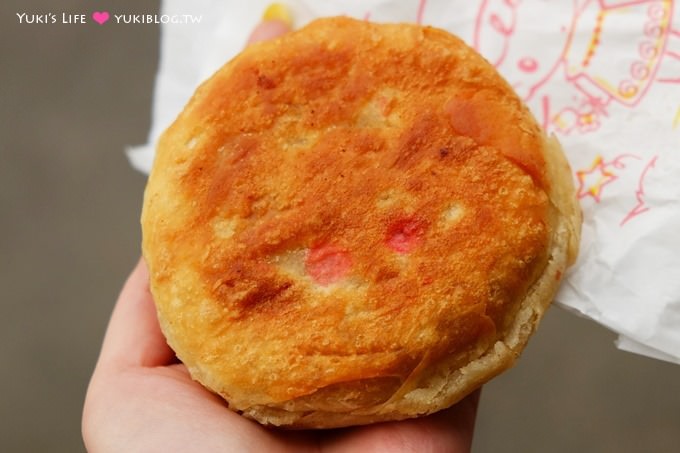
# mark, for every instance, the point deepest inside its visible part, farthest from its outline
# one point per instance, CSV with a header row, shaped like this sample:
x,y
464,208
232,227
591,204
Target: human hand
x,y
141,400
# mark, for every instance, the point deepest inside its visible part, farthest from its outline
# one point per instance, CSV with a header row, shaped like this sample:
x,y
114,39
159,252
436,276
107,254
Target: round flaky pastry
x,y
354,223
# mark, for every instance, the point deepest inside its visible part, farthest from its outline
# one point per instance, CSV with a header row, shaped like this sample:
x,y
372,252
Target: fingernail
x,y
278,11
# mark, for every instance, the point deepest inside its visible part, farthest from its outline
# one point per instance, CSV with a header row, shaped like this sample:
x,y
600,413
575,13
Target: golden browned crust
x,y
354,223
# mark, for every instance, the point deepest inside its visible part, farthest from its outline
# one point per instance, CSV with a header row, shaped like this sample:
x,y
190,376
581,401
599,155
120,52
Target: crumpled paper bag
x,y
604,77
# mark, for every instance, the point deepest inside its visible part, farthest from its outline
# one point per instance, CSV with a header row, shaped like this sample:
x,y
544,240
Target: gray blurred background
x,y
72,97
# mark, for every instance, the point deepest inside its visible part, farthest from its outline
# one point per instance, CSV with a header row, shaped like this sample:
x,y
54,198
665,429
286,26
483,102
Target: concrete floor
x,y
71,98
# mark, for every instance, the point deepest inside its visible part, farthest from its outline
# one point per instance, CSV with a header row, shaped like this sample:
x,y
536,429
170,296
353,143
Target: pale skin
x,y
140,399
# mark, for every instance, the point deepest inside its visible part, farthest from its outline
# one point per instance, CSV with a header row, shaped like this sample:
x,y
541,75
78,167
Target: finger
x,y
449,430
276,21
133,337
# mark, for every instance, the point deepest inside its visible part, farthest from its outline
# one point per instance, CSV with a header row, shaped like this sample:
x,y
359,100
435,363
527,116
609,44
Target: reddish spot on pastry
x,y
327,264
404,235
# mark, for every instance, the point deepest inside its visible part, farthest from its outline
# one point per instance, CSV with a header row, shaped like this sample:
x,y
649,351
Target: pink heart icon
x,y
100,17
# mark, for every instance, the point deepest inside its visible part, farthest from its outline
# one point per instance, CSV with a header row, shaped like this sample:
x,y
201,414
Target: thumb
x,y
134,337
276,21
